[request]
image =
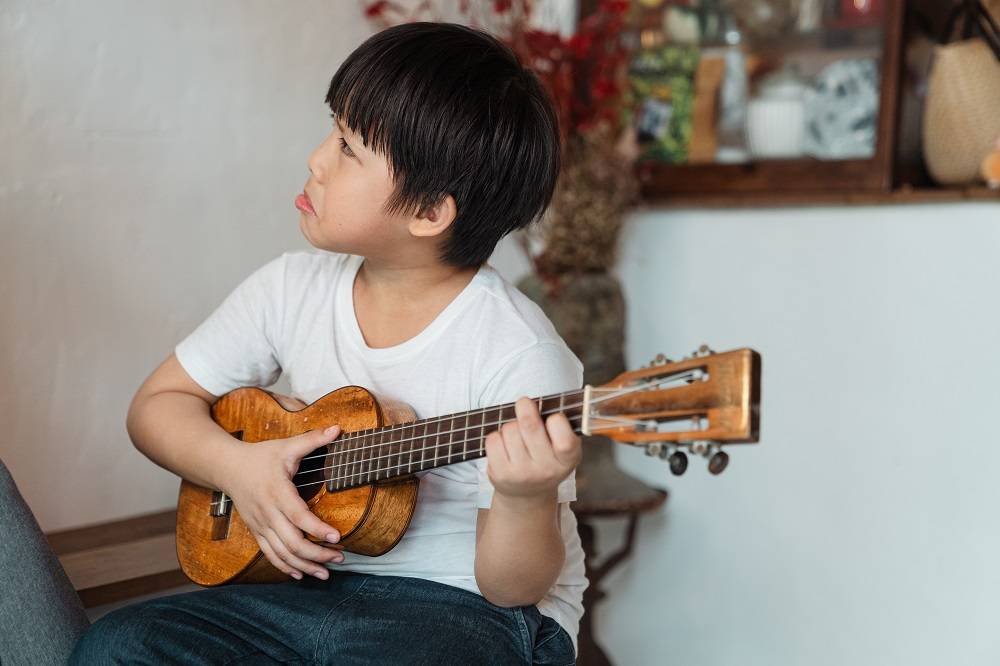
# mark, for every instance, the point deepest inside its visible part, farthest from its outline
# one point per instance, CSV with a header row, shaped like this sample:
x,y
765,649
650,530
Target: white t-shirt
x,y
491,345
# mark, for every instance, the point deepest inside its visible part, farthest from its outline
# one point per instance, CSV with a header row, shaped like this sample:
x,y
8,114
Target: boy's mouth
x,y
302,203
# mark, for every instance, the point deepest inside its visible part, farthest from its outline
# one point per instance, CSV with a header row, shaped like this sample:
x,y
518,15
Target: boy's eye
x,y
344,148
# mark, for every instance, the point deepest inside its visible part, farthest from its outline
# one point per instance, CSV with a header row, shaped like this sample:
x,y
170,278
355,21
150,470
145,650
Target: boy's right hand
x,y
260,484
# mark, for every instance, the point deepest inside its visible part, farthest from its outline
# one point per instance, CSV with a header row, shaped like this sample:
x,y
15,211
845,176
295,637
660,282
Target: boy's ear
x,y
435,220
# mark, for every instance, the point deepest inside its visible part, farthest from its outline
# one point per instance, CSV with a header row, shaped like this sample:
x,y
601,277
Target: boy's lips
x,y
303,203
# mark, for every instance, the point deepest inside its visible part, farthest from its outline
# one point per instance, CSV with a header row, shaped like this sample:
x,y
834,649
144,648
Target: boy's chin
x,y
327,247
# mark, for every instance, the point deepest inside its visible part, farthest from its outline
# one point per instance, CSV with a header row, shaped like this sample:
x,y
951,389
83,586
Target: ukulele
x,y
363,482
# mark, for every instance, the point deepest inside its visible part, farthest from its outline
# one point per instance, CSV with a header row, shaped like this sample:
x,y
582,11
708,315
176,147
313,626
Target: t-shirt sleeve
x,y
540,370
237,345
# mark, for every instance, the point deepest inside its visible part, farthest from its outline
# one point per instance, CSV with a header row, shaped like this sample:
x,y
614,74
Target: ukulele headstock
x,y
671,408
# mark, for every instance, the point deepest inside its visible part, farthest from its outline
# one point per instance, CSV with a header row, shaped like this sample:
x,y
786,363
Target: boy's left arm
x,y
519,547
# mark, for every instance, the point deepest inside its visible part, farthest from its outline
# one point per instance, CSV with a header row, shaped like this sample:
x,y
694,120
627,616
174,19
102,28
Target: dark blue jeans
x,y
348,619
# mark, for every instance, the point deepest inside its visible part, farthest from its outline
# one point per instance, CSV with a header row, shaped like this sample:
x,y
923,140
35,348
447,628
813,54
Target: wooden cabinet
x,y
819,50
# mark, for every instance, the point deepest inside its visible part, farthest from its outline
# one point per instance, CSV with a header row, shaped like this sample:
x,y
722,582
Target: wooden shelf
x,y
901,196
832,39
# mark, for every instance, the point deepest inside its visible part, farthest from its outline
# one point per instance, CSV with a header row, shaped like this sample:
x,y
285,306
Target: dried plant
x,y
596,186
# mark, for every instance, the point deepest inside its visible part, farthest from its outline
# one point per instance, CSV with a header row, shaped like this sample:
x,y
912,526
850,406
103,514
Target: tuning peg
x,y
660,359
718,462
678,462
701,351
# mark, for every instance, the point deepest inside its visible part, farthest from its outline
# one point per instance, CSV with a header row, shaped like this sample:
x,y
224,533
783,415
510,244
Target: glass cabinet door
x,y
796,84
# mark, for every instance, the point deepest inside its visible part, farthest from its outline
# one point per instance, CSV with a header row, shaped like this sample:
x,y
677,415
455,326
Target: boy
x,y
441,144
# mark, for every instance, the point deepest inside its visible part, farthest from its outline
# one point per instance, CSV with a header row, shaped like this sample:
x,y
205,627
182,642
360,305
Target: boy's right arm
x,y
170,422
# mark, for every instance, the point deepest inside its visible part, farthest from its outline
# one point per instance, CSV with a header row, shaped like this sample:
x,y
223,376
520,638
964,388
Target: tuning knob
x,y
718,462
678,462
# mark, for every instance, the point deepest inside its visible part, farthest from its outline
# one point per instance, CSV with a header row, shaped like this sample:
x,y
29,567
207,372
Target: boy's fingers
x,y
565,444
276,561
532,430
300,446
290,558
495,451
297,511
315,439
325,436
301,547
513,444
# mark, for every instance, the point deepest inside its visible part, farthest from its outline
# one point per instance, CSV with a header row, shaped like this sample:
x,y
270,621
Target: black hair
x,y
454,112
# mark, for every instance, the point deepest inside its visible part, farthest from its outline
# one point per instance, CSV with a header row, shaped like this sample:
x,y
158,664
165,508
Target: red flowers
x,y
580,72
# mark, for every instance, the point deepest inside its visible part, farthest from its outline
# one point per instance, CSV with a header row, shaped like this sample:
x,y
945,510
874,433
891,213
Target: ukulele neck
x,y
379,454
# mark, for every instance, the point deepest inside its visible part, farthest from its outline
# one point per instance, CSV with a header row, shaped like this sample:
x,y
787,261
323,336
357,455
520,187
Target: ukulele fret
x,y
334,478
359,458
465,437
385,442
398,469
374,454
385,453
409,464
437,441
423,447
348,461
451,436
482,429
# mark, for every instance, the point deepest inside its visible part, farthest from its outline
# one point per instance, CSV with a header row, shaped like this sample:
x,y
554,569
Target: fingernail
x,y
322,574
332,430
296,575
333,537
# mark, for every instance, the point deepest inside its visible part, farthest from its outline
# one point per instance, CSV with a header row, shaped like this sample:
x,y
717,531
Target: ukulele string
x,y
400,455
370,432
617,392
479,449
362,434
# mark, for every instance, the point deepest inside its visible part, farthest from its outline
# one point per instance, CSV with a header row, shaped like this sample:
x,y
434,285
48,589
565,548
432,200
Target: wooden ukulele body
x,y
218,549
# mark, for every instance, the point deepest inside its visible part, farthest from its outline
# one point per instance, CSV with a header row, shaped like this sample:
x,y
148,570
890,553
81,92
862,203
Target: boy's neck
x,y
385,284
393,303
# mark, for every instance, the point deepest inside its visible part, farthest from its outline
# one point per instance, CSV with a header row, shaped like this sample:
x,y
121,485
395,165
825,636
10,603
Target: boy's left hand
x,y
528,458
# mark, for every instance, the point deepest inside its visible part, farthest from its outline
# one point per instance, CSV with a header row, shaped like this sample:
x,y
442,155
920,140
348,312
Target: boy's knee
x,y
111,638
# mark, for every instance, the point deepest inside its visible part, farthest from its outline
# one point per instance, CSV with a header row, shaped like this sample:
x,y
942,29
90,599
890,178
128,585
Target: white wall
x,y
150,155
862,529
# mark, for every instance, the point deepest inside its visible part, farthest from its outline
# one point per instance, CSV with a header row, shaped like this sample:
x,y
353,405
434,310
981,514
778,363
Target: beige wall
x,y
151,154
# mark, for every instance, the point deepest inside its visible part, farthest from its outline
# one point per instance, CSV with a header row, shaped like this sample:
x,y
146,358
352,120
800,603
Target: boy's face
x,y
347,189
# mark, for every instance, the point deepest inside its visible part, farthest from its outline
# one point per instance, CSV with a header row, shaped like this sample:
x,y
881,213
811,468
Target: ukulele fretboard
x,y
366,456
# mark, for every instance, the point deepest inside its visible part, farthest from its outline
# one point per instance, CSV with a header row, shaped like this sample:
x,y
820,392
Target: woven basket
x,y
962,115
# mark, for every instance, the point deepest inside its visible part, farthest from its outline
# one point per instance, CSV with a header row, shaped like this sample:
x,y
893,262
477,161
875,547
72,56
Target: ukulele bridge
x,y
221,508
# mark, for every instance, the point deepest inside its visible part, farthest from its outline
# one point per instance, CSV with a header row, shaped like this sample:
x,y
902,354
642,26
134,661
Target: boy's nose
x,y
315,164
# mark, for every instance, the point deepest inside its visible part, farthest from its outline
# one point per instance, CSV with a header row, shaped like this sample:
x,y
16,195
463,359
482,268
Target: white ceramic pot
x,y
776,127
